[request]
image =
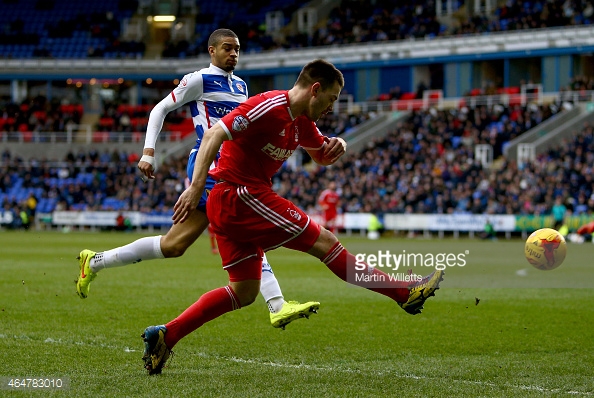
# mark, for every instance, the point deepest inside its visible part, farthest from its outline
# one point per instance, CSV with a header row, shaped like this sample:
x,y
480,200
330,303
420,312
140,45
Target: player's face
x,y
323,100
225,54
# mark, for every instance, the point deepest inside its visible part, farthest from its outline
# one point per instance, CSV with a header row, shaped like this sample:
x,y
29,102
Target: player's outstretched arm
x,y
147,164
188,201
330,152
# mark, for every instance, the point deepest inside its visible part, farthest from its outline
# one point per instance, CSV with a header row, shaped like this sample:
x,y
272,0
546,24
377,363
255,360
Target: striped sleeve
x,y
249,112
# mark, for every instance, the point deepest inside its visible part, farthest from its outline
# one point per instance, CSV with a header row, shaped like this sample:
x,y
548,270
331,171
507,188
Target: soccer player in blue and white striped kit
x,y
211,93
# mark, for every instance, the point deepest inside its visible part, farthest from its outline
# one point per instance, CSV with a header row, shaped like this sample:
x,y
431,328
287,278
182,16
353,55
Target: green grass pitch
x,y
531,333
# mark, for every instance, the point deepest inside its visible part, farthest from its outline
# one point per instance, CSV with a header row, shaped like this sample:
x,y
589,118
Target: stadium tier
x,y
452,84
415,169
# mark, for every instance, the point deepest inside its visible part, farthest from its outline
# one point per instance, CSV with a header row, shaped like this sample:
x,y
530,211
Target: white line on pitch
x,y
403,376
50,340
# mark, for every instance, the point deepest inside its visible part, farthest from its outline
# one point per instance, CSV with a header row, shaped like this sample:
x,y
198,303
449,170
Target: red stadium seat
x,y
40,115
106,122
66,108
408,96
181,130
513,90
123,108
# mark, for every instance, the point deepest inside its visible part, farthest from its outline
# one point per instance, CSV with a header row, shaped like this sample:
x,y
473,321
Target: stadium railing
x,y
113,137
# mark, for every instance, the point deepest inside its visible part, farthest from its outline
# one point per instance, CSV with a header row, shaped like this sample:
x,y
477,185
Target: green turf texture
x,y
520,340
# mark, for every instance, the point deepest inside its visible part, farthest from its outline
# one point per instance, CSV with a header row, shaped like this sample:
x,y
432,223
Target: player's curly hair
x,y
320,71
218,35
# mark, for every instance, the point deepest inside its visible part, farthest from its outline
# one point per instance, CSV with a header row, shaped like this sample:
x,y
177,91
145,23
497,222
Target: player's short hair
x,y
320,71
218,35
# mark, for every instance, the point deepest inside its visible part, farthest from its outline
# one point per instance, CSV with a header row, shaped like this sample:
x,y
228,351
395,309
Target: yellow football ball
x,y
545,249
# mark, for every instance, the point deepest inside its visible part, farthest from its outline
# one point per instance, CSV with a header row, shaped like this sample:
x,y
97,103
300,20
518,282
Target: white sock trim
x,y
275,304
157,247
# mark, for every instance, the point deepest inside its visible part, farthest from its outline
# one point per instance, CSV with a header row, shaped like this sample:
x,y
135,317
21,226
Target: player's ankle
x,y
275,304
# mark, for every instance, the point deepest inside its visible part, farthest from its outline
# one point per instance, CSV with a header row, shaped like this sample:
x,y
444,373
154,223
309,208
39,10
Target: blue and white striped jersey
x,y
211,93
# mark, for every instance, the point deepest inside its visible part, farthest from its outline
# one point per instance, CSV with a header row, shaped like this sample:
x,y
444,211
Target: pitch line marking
x,y
402,376
50,340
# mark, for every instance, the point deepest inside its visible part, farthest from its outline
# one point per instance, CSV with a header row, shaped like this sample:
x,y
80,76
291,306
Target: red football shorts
x,y
330,215
249,221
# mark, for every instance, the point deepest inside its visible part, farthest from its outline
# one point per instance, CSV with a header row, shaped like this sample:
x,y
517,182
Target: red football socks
x,y
208,307
344,265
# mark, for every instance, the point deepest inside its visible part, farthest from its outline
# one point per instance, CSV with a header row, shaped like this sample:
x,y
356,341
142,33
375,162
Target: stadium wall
x,y
349,222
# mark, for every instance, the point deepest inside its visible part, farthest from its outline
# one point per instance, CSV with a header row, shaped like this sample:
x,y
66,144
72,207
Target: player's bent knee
x,y
173,250
323,244
246,291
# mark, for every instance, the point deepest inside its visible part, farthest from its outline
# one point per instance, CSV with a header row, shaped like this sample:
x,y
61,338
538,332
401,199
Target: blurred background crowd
x,y
426,165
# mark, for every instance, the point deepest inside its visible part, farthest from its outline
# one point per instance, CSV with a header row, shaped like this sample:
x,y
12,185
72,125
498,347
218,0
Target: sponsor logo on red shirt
x,y
280,154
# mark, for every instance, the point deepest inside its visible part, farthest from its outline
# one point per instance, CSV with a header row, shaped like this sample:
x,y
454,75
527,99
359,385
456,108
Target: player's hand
x,y
147,164
334,149
186,203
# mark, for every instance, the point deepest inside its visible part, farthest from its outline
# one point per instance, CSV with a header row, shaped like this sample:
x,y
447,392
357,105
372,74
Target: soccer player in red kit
x,y
249,218
328,200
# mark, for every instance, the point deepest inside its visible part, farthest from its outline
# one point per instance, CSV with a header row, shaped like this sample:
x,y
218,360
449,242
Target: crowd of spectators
x,y
352,21
37,114
495,125
415,169
88,181
518,15
342,123
358,21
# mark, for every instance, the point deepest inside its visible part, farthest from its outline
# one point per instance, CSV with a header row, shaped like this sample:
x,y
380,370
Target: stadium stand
x,y
63,29
413,170
35,115
426,165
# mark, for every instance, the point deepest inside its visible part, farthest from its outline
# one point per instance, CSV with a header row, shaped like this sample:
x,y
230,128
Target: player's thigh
x,y
182,235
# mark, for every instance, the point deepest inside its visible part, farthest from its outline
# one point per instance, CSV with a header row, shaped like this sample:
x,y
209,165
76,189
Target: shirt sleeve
x,y
190,88
310,136
237,121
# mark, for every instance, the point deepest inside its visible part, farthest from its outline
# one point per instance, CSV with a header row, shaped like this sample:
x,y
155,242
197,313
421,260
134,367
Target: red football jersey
x,y
329,199
262,135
